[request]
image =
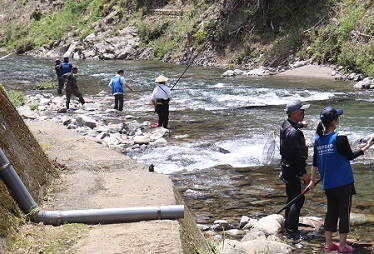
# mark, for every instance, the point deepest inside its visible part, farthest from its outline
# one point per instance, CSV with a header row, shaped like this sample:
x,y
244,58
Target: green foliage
x,y
46,85
149,32
161,48
47,28
346,39
16,97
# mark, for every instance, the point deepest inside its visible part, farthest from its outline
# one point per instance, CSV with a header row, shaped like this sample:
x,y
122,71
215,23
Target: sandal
x,y
334,247
345,250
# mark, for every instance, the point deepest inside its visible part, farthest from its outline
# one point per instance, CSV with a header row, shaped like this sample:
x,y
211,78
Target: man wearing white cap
x,y
160,99
294,153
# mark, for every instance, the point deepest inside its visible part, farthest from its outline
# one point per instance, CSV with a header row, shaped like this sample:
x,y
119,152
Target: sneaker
x,y
334,247
296,235
345,250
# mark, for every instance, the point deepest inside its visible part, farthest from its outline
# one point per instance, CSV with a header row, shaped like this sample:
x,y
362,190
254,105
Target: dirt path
x,y
98,177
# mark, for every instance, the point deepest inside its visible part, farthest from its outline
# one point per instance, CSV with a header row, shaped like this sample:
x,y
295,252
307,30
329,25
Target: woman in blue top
x,y
332,154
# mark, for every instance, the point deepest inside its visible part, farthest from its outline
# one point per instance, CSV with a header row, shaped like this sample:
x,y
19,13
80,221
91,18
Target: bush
x,y
16,97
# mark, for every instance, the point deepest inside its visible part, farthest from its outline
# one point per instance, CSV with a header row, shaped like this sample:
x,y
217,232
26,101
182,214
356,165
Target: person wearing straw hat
x,y
294,153
160,99
332,154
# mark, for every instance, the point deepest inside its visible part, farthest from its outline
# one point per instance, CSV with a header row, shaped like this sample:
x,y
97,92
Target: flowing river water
x,y
219,128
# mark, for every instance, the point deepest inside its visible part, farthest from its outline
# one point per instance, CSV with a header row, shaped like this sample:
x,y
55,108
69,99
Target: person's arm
x,y
153,98
345,149
129,87
312,177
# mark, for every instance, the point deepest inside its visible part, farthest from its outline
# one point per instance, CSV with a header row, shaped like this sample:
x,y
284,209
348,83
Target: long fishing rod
x,y
297,197
192,57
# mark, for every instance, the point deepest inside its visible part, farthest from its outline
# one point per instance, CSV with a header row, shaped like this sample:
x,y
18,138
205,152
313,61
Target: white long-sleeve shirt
x,y
161,91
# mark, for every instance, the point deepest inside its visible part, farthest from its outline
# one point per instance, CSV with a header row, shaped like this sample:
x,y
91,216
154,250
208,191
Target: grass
x,y
39,238
16,97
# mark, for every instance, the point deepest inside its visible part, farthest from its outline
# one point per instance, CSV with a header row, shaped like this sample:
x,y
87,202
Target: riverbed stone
x,y
86,121
228,246
271,224
140,140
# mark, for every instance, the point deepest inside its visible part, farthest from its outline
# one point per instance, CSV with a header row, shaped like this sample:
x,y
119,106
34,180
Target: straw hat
x,y
161,79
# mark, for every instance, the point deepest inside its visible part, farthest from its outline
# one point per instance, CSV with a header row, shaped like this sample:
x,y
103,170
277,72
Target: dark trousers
x,y
163,114
69,90
60,85
339,203
293,188
118,102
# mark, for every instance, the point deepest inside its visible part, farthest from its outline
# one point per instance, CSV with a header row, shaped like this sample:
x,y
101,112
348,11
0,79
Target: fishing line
x,y
207,88
192,57
269,149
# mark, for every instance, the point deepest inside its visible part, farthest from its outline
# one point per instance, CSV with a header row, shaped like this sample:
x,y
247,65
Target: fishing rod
x,y
297,197
192,57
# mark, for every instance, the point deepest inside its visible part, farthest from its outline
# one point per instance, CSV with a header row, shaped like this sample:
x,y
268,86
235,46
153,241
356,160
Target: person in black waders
x,y
294,153
71,86
60,79
160,99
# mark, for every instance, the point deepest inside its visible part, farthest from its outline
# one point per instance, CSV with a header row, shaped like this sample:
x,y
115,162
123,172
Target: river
x,y
219,127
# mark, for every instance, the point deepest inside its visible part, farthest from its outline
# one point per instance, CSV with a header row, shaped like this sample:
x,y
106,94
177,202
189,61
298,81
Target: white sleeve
x,y
123,81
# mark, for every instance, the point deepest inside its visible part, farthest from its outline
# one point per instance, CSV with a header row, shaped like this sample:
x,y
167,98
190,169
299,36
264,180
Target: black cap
x,y
120,71
328,114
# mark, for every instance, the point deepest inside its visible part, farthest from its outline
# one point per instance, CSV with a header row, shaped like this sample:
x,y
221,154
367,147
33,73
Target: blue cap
x,y
328,114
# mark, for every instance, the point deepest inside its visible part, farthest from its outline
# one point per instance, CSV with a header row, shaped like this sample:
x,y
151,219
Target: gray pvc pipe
x,y
110,215
16,186
91,216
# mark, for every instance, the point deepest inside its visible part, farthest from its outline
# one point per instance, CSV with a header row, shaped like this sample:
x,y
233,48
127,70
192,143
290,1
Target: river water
x,y
219,129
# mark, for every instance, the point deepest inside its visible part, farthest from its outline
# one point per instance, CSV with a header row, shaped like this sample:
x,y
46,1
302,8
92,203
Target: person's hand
x,y
371,141
311,185
305,124
307,178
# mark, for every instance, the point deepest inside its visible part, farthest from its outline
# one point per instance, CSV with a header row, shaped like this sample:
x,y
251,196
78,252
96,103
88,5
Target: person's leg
x,y
60,84
68,96
116,101
345,204
166,116
331,220
159,113
293,189
120,102
78,93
